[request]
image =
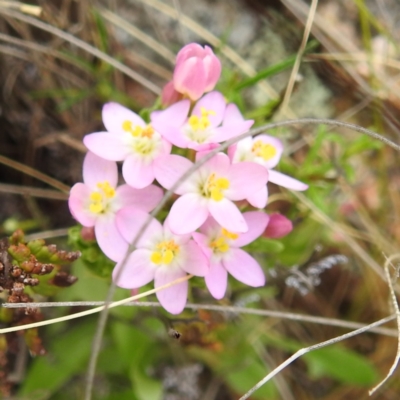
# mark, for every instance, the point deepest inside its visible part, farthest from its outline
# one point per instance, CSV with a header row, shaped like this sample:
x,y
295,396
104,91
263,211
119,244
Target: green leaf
x,y
67,356
342,364
243,379
265,245
275,69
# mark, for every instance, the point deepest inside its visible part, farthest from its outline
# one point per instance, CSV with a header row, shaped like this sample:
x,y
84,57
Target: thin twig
x,y
396,308
223,309
94,310
318,346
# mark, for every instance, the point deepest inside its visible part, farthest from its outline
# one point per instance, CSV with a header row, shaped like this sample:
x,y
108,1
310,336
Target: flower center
x,y
165,252
214,187
100,199
220,244
203,122
138,131
264,150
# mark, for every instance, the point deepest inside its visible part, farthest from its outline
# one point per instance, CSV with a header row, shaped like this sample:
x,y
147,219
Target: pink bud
x,y
197,71
88,233
278,226
169,95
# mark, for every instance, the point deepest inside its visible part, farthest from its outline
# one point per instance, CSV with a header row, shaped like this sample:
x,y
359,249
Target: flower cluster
x,y
206,226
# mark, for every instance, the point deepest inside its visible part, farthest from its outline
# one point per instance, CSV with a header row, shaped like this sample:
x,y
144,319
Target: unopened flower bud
x,y
197,71
278,226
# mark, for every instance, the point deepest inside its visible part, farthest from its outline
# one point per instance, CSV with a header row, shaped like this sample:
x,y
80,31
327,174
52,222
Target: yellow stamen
x,y
165,253
229,235
201,123
100,199
219,245
138,131
264,150
215,186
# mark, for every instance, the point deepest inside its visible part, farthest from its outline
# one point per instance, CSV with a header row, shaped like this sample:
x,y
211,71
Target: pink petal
x,y
173,116
203,242
109,238
114,116
257,222
230,131
245,178
190,78
187,214
78,198
217,280
130,222
190,50
169,169
228,215
286,181
212,66
107,145
213,101
145,199
219,165
195,262
232,115
138,270
173,299
174,135
137,173
244,268
96,169
259,198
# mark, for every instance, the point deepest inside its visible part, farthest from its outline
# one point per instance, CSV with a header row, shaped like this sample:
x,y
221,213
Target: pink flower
x,y
159,255
222,247
197,71
209,190
130,139
264,150
212,121
278,226
95,202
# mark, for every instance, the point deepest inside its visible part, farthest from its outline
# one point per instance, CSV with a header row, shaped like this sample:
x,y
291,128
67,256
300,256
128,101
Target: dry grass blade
x,y
32,191
94,310
34,173
23,7
211,307
85,46
396,308
296,66
318,346
138,34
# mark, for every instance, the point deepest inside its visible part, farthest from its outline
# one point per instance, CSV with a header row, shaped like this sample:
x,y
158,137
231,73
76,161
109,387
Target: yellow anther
x,y
229,235
264,150
107,189
96,208
96,196
165,253
201,123
214,187
219,245
127,126
99,199
148,132
138,131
